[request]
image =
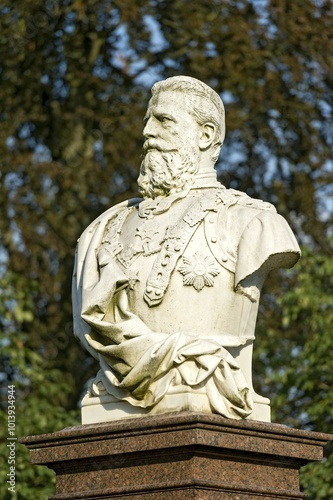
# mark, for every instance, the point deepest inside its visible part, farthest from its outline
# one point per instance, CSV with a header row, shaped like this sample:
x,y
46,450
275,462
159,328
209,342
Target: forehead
x,y
171,102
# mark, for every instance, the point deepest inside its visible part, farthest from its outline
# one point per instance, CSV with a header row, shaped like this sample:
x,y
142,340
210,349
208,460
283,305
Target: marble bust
x,y
166,287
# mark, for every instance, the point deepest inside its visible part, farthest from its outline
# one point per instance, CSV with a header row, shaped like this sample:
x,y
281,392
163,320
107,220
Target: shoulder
x,y
242,200
103,219
238,210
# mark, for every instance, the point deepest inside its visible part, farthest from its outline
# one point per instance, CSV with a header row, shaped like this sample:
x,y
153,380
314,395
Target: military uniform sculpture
x,y
166,288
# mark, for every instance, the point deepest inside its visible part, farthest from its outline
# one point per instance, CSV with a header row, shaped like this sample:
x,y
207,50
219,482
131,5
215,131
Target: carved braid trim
x,y
176,240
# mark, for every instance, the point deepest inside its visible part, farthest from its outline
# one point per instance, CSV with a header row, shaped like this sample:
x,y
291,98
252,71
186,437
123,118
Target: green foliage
x,y
294,357
74,87
304,315
41,390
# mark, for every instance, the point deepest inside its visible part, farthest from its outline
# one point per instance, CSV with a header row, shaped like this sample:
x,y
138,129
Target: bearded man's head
x,y
180,112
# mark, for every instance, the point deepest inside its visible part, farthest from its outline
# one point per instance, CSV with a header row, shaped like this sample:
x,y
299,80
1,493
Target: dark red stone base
x,y
177,456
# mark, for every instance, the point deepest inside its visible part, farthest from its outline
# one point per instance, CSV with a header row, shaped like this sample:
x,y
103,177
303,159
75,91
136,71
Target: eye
x,y
164,118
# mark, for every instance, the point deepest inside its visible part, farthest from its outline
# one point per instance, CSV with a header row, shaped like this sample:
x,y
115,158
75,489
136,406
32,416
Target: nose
x,y
149,129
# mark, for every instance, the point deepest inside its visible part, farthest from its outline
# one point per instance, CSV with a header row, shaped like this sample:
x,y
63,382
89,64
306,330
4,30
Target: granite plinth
x,y
177,456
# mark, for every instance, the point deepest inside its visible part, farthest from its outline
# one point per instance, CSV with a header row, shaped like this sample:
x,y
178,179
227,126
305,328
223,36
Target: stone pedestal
x,y
177,456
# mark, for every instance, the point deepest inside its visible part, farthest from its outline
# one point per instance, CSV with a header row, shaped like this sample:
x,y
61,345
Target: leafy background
x,y
75,78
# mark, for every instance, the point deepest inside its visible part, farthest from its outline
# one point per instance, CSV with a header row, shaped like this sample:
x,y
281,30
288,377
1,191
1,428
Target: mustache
x,y
151,144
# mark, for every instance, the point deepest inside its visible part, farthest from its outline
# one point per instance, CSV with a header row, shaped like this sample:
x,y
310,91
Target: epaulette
x,y
246,201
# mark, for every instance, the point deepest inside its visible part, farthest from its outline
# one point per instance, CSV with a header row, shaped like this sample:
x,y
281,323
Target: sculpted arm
x,y
266,243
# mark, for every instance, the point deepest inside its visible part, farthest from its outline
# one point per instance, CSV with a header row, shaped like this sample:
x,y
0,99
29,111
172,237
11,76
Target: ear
x,y
207,135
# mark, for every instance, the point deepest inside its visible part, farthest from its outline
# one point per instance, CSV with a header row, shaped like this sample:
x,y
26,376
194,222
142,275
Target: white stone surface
x,y
106,408
166,288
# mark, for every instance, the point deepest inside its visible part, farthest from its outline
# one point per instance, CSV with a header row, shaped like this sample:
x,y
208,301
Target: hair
x,y
201,101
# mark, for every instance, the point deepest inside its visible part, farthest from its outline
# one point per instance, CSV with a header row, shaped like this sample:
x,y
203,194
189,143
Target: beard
x,y
164,172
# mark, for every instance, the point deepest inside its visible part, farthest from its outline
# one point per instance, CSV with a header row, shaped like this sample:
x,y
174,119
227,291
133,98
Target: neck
x,y
205,177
